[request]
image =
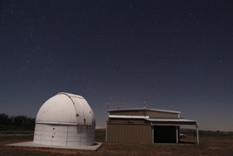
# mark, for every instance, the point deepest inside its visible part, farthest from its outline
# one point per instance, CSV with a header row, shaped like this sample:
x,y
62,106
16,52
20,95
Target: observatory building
x,y
65,120
145,125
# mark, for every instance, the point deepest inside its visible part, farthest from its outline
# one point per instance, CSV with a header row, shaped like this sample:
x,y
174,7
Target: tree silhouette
x,y
21,121
4,119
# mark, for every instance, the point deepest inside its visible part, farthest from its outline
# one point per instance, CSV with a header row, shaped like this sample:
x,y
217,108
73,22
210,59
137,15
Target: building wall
x,y
127,121
157,114
151,114
136,113
64,135
129,133
139,130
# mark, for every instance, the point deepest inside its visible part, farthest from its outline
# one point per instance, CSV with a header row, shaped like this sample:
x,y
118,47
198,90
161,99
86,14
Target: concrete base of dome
x,y
32,144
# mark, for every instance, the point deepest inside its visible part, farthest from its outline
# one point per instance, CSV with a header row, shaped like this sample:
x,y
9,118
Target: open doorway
x,y
165,134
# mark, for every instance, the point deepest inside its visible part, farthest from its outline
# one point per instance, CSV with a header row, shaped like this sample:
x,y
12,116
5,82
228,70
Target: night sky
x,y
175,55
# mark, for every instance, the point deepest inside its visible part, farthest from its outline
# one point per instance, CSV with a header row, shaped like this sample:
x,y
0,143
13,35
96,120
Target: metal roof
x,y
142,109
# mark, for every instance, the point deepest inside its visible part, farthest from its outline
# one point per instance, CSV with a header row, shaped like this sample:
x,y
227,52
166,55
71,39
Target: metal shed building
x,y
145,125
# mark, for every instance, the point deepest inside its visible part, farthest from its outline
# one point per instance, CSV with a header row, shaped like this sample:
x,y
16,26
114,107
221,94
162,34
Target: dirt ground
x,y
211,144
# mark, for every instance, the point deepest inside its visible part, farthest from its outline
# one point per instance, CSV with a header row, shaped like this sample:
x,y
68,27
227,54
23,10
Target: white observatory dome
x,y
65,120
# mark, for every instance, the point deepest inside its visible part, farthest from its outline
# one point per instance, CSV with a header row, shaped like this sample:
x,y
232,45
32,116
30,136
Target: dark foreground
x,y
211,144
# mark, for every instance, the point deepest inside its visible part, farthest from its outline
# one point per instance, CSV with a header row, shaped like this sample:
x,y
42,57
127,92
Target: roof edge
x,y
128,117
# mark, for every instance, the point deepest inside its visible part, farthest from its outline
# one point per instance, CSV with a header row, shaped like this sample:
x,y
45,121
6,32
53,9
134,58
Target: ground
x,y
211,144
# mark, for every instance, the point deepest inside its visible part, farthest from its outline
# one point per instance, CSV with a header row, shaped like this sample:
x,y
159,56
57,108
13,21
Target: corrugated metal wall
x,y
151,114
127,121
129,133
157,114
139,113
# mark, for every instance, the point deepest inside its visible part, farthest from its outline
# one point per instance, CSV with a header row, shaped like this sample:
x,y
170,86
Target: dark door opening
x,y
164,134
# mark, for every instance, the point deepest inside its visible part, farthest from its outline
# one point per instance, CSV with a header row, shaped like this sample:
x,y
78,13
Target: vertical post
x,y
197,134
177,139
153,140
106,133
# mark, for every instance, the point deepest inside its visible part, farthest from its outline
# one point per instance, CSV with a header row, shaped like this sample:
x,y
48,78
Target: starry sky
x,y
164,54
